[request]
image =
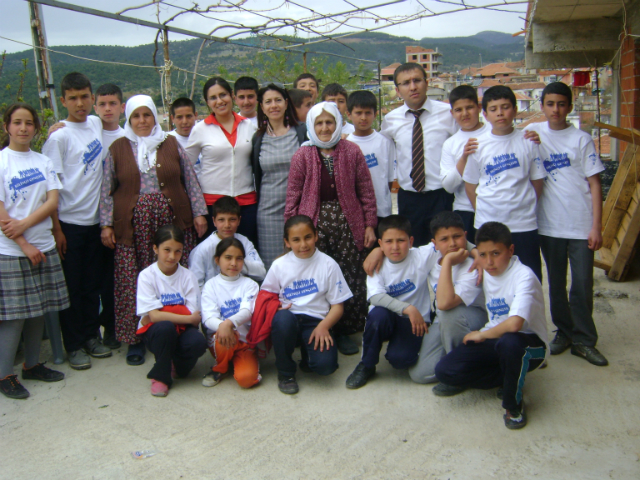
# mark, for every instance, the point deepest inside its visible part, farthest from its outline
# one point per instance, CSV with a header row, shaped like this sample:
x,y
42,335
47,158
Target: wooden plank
x,y
604,259
620,204
626,249
617,184
629,135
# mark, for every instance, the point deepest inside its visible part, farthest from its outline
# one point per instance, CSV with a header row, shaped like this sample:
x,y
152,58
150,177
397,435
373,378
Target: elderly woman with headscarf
x,y
329,181
148,182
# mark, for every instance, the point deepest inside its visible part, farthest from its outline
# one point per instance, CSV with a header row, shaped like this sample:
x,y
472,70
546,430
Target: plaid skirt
x,y
27,291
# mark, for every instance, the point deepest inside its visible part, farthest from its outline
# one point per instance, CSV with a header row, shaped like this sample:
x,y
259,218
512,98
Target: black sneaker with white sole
x,y
515,419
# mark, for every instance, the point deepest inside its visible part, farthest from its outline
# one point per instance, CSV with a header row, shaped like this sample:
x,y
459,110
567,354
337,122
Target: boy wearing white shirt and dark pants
x,y
504,177
514,341
456,150
421,195
569,223
76,152
378,150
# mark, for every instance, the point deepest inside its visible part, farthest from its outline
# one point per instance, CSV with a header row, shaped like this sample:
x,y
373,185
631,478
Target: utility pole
x,y
44,71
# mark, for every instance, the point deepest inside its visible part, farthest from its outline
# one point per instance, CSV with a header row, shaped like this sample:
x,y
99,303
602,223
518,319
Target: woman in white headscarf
x,y
329,181
148,182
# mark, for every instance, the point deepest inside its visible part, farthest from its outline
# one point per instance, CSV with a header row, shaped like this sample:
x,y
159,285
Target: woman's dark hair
x,y
290,119
297,220
168,232
6,120
227,243
216,81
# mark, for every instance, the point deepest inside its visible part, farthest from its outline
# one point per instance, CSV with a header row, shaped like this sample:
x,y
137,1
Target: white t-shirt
x,y
26,179
464,282
77,155
310,285
569,157
451,179
437,125
408,280
183,141
253,120
503,167
347,128
222,298
517,291
204,267
380,153
157,290
110,136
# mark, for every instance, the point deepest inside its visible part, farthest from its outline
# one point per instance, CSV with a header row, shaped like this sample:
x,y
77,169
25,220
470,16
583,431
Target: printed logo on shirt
x,y
501,163
401,288
339,285
94,149
25,179
230,307
556,161
497,307
253,255
171,299
301,288
372,160
593,158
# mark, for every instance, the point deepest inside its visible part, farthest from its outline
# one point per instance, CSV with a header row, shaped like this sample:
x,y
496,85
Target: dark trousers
x,y
527,248
468,219
493,363
83,272
248,223
289,330
383,325
167,346
573,315
420,208
107,315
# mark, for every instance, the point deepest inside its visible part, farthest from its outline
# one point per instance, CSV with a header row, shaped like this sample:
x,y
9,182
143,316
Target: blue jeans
x,y
287,331
383,325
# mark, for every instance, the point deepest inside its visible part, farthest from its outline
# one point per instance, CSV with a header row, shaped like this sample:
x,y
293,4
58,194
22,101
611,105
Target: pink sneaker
x,y
159,389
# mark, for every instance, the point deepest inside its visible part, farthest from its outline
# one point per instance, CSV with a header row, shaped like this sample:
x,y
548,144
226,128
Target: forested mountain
x,y
234,60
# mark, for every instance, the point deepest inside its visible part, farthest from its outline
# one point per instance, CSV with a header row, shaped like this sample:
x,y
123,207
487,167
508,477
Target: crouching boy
x,y
514,341
459,300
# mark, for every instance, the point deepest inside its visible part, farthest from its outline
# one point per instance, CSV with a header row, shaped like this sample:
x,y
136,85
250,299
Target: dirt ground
x,y
584,421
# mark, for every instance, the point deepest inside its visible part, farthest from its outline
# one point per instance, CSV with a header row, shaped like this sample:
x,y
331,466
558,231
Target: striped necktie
x,y
417,153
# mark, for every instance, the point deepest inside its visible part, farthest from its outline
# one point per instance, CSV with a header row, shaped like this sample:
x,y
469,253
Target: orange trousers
x,y
246,369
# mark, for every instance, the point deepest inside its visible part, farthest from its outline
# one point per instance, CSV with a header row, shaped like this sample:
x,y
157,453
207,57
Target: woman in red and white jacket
x,y
222,146
329,181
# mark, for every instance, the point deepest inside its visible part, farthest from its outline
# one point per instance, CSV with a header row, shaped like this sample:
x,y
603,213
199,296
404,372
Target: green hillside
x,y
234,60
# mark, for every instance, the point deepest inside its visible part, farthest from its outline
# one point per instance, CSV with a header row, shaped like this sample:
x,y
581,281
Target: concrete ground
x,y
584,421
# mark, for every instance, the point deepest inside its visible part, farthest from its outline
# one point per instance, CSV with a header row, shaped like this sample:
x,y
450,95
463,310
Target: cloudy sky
x,y
70,28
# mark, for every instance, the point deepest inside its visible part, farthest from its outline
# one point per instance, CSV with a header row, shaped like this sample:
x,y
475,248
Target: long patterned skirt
x,y
336,240
150,213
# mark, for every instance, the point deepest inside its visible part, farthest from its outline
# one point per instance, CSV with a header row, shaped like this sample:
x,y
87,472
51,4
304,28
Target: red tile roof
x,y
419,50
495,69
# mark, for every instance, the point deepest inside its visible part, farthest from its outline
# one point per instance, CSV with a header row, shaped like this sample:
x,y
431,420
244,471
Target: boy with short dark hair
x,y
77,153
183,116
302,103
504,177
569,223
465,110
459,300
109,107
245,95
308,82
226,218
336,93
514,341
378,150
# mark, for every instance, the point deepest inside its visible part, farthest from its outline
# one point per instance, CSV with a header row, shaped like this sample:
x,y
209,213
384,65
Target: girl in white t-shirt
x,y
228,300
168,303
31,278
312,290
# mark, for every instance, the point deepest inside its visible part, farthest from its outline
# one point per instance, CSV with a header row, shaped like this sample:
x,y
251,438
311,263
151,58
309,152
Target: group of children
x,y
486,329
